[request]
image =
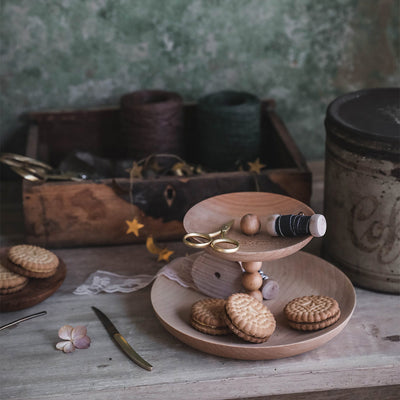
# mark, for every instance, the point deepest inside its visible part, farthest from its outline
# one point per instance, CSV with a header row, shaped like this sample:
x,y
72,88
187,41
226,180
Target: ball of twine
x,y
228,127
151,123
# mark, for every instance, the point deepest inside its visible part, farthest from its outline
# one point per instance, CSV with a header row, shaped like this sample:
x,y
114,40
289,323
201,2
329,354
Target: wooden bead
x,y
252,281
250,224
256,294
252,266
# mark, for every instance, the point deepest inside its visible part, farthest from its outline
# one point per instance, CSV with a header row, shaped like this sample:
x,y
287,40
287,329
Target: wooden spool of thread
x,y
296,225
151,123
228,128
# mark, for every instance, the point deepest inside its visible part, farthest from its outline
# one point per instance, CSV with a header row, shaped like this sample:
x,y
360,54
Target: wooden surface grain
x,y
363,361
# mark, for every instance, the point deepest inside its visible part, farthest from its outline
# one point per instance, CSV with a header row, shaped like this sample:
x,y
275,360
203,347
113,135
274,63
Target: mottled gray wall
x,y
302,53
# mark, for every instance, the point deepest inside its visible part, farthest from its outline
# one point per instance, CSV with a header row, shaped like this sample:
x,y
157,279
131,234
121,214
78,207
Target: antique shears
x,y
35,170
202,240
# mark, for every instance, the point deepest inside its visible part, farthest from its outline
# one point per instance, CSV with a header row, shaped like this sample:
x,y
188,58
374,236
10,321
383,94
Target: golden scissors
x,y
35,170
203,240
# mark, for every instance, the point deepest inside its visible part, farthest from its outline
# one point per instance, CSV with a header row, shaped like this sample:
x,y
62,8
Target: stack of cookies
x,y
249,319
241,314
10,282
23,262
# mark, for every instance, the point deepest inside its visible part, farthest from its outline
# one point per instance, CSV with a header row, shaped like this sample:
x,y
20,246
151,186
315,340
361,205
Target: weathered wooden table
x,y
363,361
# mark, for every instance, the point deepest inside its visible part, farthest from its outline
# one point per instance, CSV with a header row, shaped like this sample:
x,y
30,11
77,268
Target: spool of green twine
x,y
228,128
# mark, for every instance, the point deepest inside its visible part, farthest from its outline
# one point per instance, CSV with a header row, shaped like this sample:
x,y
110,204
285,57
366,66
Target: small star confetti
x,y
165,254
134,226
256,166
135,171
182,169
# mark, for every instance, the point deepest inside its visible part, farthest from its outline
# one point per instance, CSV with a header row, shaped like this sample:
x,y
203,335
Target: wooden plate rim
x,y
287,246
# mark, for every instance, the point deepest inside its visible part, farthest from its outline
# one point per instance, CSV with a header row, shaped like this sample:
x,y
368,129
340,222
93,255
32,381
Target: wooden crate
x,y
65,214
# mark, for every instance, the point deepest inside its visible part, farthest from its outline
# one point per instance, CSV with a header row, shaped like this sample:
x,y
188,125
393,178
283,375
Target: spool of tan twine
x,y
151,123
228,128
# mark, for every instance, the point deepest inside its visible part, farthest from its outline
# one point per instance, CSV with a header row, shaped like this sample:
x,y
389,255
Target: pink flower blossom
x,y
74,338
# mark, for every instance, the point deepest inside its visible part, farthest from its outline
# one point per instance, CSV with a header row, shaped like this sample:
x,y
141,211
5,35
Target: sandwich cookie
x,y
248,318
32,261
10,282
311,313
208,316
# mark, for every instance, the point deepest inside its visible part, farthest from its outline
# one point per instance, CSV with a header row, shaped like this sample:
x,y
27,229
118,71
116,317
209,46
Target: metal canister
x,y
362,187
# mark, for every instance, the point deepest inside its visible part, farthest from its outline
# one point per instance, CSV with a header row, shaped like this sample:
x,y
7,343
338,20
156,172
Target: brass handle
x,y
131,353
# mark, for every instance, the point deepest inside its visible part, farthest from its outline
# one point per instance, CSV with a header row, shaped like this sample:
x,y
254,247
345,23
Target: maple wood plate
x,y
35,291
298,275
208,215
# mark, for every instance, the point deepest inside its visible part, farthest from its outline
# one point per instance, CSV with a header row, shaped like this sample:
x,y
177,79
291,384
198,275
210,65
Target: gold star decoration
x,y
165,254
181,169
256,166
135,171
134,226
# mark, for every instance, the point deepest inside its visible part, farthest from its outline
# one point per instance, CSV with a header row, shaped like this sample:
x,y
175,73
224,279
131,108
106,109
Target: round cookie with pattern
x,y
208,316
248,318
32,261
310,313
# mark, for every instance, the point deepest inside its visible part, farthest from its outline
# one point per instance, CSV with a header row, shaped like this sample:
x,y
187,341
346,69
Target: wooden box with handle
x,y
94,212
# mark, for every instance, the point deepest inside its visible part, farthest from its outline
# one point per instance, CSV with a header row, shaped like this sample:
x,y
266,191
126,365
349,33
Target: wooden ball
x,y
250,224
256,294
252,266
252,281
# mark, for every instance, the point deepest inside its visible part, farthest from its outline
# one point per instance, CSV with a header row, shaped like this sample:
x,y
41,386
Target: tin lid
x,y
368,118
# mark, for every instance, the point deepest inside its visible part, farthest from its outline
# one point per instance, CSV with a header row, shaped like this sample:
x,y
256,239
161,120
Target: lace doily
x,y
178,270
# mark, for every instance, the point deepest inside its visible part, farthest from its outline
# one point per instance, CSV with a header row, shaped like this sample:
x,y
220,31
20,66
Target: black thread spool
x,y
228,130
296,225
151,123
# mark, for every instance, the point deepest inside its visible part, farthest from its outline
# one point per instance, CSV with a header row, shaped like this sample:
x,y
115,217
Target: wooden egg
x,y
250,224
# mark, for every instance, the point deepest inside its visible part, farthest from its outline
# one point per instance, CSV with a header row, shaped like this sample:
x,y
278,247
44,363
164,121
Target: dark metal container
x,y
362,187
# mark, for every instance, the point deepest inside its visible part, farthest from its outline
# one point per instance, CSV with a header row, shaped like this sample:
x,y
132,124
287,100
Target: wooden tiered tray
x,y
298,274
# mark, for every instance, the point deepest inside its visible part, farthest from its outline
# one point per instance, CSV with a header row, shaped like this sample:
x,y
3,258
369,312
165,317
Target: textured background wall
x,y
83,53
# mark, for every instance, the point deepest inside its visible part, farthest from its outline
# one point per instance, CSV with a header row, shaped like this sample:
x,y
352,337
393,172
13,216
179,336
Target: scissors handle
x,y
205,240
216,242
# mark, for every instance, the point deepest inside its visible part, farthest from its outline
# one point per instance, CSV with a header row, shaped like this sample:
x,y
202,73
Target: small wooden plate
x,y
208,215
36,290
298,275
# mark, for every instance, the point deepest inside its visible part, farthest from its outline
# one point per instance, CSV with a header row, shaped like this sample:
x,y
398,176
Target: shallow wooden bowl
x,y
208,215
298,275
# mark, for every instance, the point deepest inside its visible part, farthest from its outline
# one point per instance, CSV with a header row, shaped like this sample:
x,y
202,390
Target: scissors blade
x,y
226,226
121,341
16,322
